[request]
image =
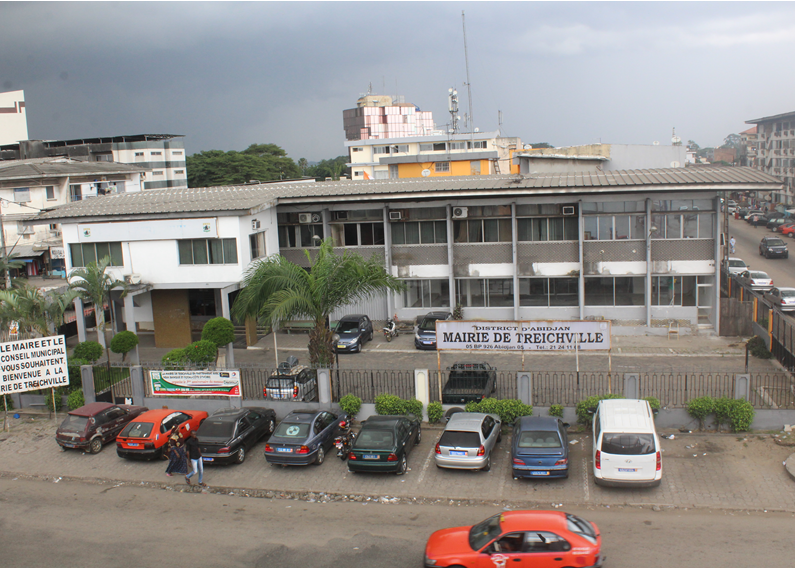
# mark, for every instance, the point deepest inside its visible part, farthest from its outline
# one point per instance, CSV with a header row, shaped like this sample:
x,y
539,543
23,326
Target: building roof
x,y
751,130
25,251
249,199
449,157
33,168
536,156
769,118
100,140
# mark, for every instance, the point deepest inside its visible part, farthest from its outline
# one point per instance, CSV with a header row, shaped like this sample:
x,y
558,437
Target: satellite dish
x,y
426,172
528,146
676,140
656,143
477,130
675,164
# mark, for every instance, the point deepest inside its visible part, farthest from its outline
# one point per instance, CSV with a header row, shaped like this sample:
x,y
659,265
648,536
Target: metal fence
x,y
368,383
111,383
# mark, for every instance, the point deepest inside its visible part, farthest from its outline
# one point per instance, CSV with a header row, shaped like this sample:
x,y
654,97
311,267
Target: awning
x,y
25,251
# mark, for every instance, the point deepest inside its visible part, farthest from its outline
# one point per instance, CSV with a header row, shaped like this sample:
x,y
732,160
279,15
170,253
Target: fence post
x,y
422,389
742,386
631,385
137,385
524,387
87,376
324,386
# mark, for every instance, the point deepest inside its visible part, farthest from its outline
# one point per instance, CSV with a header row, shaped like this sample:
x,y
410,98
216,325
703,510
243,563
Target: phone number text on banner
x,y
523,335
195,383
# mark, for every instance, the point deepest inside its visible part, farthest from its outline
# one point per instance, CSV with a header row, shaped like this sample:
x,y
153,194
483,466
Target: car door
x,y
258,423
116,421
506,551
368,327
245,431
330,429
489,429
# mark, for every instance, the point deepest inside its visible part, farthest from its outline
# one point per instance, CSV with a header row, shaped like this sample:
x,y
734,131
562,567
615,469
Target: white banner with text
x,y
33,364
523,335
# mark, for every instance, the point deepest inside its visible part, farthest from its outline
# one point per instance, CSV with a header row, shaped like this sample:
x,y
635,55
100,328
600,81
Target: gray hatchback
x,y
468,440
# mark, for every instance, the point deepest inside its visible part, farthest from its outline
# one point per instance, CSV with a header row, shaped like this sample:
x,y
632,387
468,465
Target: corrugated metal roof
x,y
52,167
168,202
769,118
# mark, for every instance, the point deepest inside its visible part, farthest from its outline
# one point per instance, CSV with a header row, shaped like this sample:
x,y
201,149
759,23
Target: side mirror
x,y
566,424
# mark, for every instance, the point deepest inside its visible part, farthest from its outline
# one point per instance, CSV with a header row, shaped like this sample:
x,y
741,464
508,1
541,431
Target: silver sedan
x,y
468,440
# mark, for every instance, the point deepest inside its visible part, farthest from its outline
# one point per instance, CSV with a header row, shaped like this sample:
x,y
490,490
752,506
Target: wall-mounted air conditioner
x,y
568,210
255,224
460,212
132,278
309,217
395,215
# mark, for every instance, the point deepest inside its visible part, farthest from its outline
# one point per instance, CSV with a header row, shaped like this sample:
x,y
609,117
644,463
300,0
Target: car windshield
x,y
75,423
137,430
281,382
761,275
484,532
347,327
428,324
787,293
292,430
539,440
775,243
375,440
458,439
736,263
217,429
628,444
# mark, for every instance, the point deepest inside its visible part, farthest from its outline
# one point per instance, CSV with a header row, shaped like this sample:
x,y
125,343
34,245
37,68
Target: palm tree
x,y
7,262
94,284
277,290
36,312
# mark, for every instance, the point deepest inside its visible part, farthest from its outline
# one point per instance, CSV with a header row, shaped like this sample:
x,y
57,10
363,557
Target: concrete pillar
x,y
631,385
137,384
225,312
524,387
422,390
515,260
581,259
742,386
390,300
324,387
450,258
80,316
129,321
648,263
87,376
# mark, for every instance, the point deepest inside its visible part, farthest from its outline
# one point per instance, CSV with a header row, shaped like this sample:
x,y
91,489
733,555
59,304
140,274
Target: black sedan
x,y
772,247
303,437
353,331
383,444
228,433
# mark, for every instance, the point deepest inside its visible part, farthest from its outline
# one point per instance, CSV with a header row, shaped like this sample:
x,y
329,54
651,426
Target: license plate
x,y
208,459
539,473
285,450
627,469
68,445
427,342
132,445
370,457
338,444
455,453
340,347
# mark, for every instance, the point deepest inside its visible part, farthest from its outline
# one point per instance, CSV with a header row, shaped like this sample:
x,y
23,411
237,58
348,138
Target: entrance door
x,y
705,300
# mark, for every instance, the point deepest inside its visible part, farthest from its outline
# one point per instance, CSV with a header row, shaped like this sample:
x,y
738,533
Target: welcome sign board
x,y
523,335
33,364
195,383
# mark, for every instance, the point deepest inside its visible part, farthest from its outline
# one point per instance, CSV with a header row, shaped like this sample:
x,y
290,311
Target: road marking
x,y
586,488
426,464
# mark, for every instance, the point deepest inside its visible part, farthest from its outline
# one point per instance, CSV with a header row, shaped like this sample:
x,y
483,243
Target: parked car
x,y
518,538
228,434
540,447
786,229
89,427
772,247
146,436
425,336
756,279
775,222
384,443
469,382
354,331
303,437
291,381
468,441
784,298
736,265
742,212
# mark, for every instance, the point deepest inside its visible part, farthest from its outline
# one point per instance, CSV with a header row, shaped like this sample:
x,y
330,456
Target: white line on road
x,y
586,488
426,464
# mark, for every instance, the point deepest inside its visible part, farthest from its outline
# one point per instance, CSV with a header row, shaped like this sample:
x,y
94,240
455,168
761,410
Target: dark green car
x,y
383,444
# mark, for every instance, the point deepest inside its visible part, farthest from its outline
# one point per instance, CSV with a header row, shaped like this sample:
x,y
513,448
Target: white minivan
x,y
626,449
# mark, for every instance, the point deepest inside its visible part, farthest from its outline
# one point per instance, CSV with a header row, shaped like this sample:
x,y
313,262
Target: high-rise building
x,y
776,151
13,120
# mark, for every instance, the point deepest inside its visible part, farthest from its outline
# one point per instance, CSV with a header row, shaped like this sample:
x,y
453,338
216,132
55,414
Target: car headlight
x,y
429,561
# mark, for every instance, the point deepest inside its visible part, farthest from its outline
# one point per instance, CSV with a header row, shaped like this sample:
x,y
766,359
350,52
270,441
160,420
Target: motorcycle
x,y
390,330
344,442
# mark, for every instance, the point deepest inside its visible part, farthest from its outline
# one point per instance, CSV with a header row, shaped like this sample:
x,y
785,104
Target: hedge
x,y
390,404
507,409
351,405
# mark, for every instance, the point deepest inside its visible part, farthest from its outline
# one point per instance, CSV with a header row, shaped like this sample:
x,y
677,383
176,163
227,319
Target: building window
x,y
614,291
458,145
179,171
419,233
479,144
482,231
156,153
257,243
75,192
613,227
139,154
427,293
21,194
300,236
682,226
50,190
400,148
357,234
442,167
108,157
157,172
207,251
549,292
177,152
357,174
85,253
380,149
673,290
540,229
484,292
393,171
437,147
357,149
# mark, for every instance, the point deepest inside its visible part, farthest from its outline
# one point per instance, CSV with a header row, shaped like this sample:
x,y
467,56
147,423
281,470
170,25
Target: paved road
x,y
73,524
782,270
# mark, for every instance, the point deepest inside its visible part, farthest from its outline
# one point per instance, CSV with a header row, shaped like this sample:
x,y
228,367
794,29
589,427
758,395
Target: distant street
x,y
71,524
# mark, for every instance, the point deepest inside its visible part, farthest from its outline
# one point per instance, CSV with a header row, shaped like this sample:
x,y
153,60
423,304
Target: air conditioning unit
x,y
255,224
460,212
568,210
340,215
304,217
395,215
132,278
316,217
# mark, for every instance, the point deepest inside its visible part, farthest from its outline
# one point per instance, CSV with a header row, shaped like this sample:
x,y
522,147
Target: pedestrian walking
x,y
177,458
756,221
732,243
195,456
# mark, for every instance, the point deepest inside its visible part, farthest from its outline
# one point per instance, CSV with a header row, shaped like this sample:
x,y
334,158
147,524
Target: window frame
x,y
114,251
207,254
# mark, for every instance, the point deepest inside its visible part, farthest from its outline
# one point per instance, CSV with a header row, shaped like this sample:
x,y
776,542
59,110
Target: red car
x,y
147,435
541,539
88,427
788,229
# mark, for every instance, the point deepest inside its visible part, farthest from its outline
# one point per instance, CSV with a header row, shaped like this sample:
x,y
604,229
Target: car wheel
x,y
95,446
241,456
404,466
487,467
419,436
321,455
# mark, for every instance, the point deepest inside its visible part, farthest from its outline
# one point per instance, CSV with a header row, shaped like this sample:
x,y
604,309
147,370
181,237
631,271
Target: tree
x,y
94,284
303,165
36,312
732,141
333,169
123,342
277,290
538,145
220,331
263,162
691,145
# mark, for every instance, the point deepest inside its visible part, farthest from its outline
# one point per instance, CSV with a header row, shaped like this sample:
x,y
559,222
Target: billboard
x,y
195,383
33,364
523,335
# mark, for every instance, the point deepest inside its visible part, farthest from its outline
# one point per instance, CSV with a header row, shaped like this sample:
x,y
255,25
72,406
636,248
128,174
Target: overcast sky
x,y
227,75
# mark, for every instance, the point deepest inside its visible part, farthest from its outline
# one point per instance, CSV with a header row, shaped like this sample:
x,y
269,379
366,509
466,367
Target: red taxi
x,y
147,436
541,539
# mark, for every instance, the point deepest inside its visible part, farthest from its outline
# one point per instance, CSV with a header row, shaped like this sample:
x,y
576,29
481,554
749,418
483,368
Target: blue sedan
x,y
303,437
540,447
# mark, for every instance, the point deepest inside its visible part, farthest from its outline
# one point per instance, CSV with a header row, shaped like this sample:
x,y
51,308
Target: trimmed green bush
x,y
123,342
700,408
392,404
556,410
654,402
507,409
201,352
722,408
586,407
351,405
175,359
76,399
741,414
220,331
435,412
73,365
757,347
91,351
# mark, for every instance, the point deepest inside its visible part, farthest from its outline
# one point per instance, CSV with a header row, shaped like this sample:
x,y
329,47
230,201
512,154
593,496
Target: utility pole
x,y
6,274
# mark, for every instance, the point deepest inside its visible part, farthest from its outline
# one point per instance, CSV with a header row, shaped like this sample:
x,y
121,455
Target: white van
x,y
626,449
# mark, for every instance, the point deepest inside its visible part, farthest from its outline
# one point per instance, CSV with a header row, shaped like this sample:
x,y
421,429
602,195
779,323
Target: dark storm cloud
x,y
230,74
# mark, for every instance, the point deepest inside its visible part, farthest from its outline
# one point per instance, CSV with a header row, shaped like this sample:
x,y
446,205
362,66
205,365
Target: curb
x,y
789,466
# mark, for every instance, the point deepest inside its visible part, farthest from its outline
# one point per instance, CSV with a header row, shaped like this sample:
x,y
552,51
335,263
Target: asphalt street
x,y
782,270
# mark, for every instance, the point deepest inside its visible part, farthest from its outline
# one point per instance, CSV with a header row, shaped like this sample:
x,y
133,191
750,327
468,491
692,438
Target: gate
x,y
112,385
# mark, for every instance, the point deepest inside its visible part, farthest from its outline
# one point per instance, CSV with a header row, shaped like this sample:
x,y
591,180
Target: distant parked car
x,y
146,436
756,279
736,265
784,298
354,331
229,433
775,222
468,441
303,437
291,381
469,382
540,447
786,228
89,427
772,247
384,443
425,336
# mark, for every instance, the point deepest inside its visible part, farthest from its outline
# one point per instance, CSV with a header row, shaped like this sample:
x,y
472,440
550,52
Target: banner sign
x,y
33,364
195,383
523,335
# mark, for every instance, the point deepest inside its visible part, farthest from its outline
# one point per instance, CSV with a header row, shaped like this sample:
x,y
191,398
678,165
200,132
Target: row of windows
x,y
555,292
194,251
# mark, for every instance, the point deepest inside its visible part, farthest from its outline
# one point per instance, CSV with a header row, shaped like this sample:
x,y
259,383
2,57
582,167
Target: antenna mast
x,y
469,86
